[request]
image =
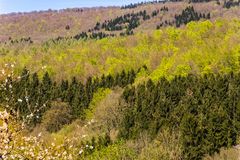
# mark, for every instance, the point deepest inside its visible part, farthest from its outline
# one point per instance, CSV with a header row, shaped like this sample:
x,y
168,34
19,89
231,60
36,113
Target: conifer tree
x,y
46,87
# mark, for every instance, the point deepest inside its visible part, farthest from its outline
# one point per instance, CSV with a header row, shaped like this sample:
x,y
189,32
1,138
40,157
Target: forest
x,y
117,91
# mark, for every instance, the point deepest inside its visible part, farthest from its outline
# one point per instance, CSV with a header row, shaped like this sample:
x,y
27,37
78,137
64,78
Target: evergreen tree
x,y
46,87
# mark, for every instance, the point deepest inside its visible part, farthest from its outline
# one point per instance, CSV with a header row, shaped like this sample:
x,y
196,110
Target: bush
x,y
97,97
56,117
118,150
166,146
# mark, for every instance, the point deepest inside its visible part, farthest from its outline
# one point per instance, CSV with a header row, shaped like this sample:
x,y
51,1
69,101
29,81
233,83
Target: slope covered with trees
x,y
199,48
182,82
44,25
122,89
205,111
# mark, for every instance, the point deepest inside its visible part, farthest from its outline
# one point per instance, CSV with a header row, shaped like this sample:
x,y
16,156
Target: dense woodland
x,y
231,3
189,15
204,109
135,5
115,91
31,92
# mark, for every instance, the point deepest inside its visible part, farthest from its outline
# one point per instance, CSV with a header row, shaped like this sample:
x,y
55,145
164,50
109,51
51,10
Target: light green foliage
x,y
199,48
112,64
182,70
116,151
66,131
97,97
141,76
163,69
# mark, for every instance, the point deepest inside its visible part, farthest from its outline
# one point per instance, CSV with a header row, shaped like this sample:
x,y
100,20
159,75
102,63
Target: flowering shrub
x,y
15,124
23,147
14,145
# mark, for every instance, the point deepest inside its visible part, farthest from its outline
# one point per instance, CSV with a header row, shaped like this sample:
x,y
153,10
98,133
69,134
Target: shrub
x,y
56,117
117,150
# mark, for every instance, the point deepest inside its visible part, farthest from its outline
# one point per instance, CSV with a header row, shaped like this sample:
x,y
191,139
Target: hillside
x,y
198,48
45,25
142,81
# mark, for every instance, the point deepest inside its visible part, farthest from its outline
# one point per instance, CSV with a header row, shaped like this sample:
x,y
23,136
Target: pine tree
x,y
89,91
63,90
46,88
79,102
191,138
72,90
22,92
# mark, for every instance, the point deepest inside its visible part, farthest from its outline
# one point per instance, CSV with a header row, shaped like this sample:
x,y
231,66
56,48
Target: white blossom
x,y
3,71
81,151
44,67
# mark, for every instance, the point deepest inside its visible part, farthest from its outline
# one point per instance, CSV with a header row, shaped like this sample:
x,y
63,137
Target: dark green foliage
x,y
97,27
135,5
82,35
46,87
204,109
63,90
231,3
100,35
188,15
21,40
155,13
30,96
127,21
165,9
116,24
67,27
164,24
21,89
199,1
79,96
79,101
88,147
